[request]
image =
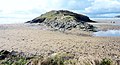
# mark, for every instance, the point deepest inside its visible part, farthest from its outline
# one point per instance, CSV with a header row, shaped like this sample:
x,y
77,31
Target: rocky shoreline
x,y
20,58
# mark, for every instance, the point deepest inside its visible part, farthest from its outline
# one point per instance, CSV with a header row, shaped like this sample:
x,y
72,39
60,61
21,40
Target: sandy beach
x,y
60,32
32,39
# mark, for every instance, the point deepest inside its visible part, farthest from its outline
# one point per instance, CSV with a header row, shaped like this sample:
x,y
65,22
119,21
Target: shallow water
x,y
107,20
13,20
108,33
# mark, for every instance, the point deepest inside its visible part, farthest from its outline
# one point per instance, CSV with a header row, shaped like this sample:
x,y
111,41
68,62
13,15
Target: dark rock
x,y
2,57
118,62
4,52
36,20
28,22
118,16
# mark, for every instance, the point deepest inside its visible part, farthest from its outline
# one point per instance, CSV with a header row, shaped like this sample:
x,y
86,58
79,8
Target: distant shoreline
x,y
19,21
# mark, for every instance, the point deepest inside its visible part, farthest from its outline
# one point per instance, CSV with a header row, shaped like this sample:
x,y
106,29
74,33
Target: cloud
x,y
44,5
19,8
33,8
103,7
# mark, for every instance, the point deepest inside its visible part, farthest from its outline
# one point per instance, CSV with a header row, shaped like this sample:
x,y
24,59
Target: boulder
x,y
3,54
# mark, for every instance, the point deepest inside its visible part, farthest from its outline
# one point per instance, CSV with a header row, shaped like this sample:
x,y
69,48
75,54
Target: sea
x,y
117,20
13,20
22,20
99,33
108,33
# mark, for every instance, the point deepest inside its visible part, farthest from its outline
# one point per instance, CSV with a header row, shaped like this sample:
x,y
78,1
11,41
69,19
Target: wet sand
x,y
32,39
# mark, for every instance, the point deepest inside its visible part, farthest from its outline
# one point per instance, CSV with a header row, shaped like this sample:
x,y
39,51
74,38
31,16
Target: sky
x,y
28,9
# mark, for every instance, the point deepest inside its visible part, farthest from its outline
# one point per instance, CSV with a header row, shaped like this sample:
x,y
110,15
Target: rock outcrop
x,y
117,16
64,20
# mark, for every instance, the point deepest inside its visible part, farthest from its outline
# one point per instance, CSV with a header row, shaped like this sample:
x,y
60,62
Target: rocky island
x,y
64,20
